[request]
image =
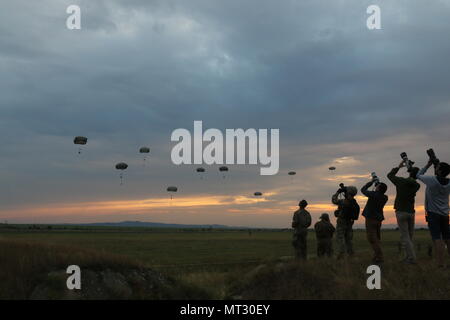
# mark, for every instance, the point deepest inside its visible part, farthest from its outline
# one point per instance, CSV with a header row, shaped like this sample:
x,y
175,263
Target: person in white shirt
x,y
437,206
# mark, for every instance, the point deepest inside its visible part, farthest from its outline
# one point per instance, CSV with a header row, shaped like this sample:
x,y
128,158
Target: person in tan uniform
x,y
300,223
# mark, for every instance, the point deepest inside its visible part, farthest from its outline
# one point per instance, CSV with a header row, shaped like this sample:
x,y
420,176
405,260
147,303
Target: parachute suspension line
x,y
201,172
144,151
121,166
223,169
171,189
292,174
79,150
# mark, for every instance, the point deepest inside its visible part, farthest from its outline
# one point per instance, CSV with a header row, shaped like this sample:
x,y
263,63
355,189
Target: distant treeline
x,y
51,227
56,227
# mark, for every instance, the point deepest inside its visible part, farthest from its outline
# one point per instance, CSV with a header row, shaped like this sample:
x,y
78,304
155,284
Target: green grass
x,y
217,260
30,269
177,248
343,279
171,249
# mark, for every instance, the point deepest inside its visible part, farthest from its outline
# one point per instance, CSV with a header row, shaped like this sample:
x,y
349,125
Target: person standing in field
x,y
346,214
437,207
404,208
324,235
373,212
301,222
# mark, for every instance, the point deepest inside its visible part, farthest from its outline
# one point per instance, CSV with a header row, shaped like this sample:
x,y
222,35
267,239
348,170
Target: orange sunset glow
x,y
241,205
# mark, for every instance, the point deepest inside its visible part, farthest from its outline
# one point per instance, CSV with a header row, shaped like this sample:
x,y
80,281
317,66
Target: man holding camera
x,y
404,207
436,205
373,212
347,213
301,222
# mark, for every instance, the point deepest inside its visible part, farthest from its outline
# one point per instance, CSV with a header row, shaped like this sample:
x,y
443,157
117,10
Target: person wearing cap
x,y
404,208
300,223
346,214
324,235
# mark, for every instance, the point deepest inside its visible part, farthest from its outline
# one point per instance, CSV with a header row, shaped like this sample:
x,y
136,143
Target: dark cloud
x,y
139,69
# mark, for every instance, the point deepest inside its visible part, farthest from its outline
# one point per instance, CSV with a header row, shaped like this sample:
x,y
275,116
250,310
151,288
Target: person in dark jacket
x,y
324,234
301,221
404,208
373,212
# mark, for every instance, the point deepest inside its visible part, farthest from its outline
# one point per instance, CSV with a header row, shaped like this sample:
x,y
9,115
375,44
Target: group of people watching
x,y
436,209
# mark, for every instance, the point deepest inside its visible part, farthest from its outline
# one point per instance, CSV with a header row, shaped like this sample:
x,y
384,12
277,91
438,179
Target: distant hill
x,y
157,225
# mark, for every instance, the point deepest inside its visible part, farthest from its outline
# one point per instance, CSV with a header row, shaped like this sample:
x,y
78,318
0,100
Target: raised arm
x,y
392,175
334,198
422,177
424,169
365,190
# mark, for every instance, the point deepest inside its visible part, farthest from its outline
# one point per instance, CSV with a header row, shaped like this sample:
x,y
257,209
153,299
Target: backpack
x,y
304,219
353,210
348,211
323,230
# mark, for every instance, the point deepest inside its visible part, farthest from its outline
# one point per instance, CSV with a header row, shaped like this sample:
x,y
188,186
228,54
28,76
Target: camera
x,y
409,164
375,178
342,189
433,157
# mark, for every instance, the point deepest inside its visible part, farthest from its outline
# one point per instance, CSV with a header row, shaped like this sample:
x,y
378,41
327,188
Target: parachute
x,y
257,194
201,171
121,166
80,140
292,174
172,189
332,168
144,150
223,169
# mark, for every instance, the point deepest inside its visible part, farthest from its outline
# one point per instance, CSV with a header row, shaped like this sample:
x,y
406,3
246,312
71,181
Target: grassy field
x,y
216,260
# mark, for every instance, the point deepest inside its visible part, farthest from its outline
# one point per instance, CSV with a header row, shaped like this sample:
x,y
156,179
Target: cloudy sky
x,y
340,94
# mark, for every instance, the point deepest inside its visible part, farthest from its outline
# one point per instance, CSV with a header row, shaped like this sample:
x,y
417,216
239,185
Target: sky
x,y
340,94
